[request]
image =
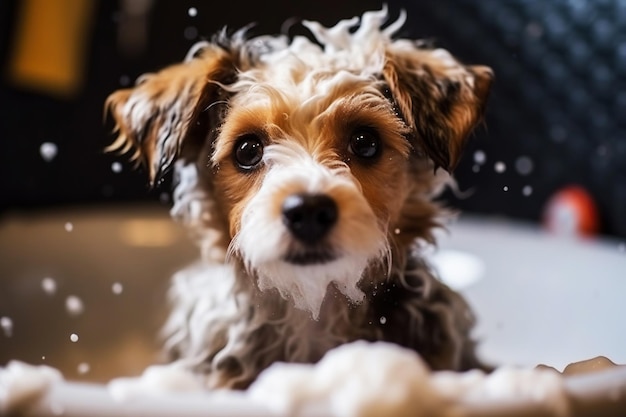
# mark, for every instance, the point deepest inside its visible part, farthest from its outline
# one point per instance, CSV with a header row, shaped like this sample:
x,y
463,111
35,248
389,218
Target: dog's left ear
x,y
440,99
155,118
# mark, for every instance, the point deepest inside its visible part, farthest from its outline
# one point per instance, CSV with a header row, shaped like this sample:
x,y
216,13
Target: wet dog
x,y
306,167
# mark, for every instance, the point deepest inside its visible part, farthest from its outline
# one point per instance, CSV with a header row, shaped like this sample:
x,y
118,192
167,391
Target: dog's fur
x,y
249,122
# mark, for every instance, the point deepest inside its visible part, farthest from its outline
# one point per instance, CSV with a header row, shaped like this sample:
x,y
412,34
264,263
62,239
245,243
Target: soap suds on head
x,y
20,383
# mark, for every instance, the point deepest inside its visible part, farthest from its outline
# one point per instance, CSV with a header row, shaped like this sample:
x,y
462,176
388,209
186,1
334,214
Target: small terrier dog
x,y
306,167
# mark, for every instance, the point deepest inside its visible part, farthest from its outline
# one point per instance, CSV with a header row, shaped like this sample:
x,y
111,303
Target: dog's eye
x,y
248,151
365,143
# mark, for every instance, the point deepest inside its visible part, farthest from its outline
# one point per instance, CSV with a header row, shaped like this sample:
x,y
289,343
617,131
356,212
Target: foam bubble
x,y
49,285
48,151
74,305
6,324
527,190
117,288
480,157
83,368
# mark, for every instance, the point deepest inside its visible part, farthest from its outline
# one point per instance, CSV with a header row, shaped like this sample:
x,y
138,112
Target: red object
x,y
572,211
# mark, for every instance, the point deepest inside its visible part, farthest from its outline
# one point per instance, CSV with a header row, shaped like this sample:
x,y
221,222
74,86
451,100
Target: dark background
x,y
555,117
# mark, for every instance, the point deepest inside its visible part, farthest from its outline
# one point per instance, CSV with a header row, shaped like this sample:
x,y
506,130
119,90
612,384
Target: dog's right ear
x,y
154,118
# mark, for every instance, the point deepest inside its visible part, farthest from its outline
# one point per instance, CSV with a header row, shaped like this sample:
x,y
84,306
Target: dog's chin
x,y
303,278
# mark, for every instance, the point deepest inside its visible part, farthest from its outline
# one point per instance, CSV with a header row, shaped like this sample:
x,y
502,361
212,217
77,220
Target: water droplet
x,y
43,358
69,227
524,165
117,288
396,231
49,285
383,320
527,190
48,151
480,157
500,167
193,12
74,338
116,167
505,188
6,324
83,368
74,305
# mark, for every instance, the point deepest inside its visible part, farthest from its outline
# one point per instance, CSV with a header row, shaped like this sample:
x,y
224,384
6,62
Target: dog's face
x,y
321,160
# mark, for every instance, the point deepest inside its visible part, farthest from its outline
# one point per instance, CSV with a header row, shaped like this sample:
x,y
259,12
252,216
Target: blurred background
x,y
84,241
555,118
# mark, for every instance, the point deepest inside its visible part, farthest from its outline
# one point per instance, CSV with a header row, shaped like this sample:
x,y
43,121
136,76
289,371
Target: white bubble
x,y
505,188
74,338
193,12
83,368
48,151
74,305
6,324
500,167
396,231
43,358
69,227
383,320
117,288
116,167
49,285
480,157
527,190
524,165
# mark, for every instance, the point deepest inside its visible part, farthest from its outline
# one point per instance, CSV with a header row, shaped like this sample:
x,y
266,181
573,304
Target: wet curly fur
x,y
246,123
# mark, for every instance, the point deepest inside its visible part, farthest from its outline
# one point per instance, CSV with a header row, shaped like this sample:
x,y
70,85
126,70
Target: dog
x,y
307,168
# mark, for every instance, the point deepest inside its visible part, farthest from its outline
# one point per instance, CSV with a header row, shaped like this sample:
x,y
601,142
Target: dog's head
x,y
321,157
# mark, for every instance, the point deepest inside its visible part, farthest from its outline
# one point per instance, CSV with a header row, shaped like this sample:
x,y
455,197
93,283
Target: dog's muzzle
x,y
309,218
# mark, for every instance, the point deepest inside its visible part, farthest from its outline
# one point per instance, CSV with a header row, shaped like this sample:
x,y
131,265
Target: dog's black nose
x,y
309,216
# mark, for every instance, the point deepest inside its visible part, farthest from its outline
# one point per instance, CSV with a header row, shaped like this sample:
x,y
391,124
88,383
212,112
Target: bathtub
x,y
83,291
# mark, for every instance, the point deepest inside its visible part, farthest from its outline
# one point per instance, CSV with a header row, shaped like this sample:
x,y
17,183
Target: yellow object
x,y
50,44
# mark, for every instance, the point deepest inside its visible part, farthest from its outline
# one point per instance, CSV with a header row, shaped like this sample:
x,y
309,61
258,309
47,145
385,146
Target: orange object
x,y
572,211
50,45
